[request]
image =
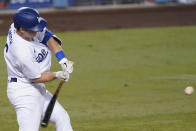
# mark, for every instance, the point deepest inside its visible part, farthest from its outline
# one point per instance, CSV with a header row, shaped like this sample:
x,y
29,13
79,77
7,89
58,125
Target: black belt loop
x,y
13,80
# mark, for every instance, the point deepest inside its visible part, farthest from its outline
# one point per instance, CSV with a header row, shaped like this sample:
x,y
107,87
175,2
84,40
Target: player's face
x,y
27,34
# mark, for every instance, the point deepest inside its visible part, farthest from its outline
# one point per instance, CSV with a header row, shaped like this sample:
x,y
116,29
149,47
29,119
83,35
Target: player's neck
x,y
24,35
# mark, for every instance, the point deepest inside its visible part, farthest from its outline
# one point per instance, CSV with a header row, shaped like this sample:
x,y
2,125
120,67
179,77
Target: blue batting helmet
x,y
29,19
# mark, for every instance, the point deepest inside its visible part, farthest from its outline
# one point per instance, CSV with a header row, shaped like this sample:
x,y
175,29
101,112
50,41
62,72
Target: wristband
x,y
60,55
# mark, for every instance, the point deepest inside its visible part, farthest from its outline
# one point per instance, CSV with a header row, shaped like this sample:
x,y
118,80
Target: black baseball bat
x,y
50,107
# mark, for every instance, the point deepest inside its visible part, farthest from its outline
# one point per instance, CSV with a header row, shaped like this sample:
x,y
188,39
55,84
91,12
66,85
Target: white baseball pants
x,y
30,103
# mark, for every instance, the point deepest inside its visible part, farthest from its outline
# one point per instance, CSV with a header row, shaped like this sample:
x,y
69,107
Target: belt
x,y
12,79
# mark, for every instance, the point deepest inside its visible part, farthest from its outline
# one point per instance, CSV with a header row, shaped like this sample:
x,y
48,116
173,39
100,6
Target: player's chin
x,y
30,36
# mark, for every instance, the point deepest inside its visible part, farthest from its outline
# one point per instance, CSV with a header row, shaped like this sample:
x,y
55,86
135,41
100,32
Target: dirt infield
x,y
64,20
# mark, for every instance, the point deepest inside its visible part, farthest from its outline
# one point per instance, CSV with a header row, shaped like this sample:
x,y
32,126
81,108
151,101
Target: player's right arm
x,y
31,69
49,76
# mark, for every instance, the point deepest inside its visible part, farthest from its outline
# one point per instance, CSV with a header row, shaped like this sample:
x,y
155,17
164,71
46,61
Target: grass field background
x,y
123,80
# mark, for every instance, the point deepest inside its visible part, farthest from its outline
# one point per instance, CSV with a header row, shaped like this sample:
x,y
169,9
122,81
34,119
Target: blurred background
x,y
103,14
13,4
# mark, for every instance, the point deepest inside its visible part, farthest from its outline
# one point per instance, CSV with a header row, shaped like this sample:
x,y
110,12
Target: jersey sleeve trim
x,y
48,35
57,39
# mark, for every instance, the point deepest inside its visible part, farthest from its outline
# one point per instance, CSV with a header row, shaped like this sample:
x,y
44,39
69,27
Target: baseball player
x,y
28,57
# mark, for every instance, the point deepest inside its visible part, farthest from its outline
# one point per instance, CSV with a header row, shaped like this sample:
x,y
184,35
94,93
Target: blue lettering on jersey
x,y
10,40
6,47
10,36
41,56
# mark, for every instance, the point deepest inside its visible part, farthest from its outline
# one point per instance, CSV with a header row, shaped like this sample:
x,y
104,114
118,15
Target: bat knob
x,y
44,125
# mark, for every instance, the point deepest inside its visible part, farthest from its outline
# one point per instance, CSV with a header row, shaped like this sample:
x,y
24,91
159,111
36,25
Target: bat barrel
x,y
48,112
50,107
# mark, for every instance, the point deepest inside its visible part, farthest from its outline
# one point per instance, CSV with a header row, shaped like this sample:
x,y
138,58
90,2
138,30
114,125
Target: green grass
x,y
123,80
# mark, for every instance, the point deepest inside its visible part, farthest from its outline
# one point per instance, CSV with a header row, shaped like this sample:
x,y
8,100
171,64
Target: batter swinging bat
x,y
50,107
51,104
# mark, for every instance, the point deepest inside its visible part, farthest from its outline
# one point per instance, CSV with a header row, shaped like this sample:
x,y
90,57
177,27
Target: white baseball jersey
x,y
26,60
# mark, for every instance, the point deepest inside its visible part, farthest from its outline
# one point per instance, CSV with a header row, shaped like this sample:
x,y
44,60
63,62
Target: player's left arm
x,y
54,46
54,43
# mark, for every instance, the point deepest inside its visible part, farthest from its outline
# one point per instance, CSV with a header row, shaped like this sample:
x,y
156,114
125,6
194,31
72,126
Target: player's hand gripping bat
x,y
51,104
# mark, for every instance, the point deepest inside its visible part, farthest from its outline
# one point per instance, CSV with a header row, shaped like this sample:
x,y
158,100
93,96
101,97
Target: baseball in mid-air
x,y
189,90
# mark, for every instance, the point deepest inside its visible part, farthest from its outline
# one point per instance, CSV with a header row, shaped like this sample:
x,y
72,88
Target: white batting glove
x,y
66,65
63,75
